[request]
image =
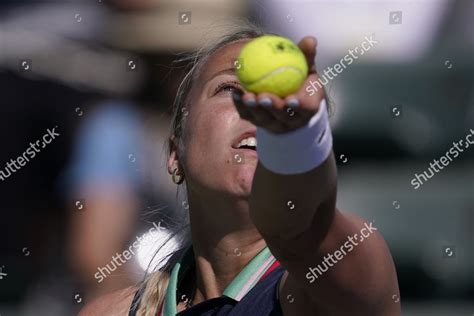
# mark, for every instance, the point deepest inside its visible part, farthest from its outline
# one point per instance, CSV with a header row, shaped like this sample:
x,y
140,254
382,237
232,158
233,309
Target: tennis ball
x,y
272,64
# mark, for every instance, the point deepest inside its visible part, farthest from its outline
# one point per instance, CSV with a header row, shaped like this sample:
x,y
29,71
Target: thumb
x,y
308,47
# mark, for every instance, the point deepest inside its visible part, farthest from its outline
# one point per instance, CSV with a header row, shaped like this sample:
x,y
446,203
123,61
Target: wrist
x,y
299,150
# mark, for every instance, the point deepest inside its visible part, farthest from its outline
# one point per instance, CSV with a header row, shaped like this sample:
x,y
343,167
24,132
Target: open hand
x,y
280,115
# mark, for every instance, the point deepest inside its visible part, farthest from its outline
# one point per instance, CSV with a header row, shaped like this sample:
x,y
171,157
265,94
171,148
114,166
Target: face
x,y
213,161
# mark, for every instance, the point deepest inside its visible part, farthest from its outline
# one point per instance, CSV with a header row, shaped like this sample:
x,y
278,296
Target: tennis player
x,y
266,237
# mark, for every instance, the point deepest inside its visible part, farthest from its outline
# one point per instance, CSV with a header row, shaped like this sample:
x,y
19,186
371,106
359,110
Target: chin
x,y
243,179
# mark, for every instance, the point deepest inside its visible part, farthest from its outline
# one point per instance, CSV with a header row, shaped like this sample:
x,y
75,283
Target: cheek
x,y
209,138
209,158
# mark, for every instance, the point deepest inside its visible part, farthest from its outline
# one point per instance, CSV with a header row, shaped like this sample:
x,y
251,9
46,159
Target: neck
x,y
224,240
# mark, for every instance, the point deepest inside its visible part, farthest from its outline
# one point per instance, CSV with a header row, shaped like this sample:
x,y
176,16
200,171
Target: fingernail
x,y
265,101
250,102
237,96
292,103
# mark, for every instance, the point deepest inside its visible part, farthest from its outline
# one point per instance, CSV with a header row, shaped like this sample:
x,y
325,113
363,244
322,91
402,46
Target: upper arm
x,y
114,304
296,215
362,280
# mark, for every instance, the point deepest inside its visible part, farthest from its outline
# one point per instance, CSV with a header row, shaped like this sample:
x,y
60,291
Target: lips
x,y
246,140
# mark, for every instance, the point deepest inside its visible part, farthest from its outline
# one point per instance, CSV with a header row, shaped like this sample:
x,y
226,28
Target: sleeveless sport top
x,y
254,291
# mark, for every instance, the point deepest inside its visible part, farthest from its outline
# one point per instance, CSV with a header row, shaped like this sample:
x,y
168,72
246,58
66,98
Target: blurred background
x,y
97,78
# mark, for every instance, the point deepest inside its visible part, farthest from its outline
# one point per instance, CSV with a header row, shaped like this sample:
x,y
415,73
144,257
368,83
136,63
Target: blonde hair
x,y
152,291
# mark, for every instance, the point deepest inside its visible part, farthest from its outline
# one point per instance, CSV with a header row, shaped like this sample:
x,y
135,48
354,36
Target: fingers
x,y
270,101
249,109
263,110
249,99
308,47
266,111
285,113
276,114
274,105
244,112
305,99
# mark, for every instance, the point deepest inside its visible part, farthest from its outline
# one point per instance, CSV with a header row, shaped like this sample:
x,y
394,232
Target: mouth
x,y
246,140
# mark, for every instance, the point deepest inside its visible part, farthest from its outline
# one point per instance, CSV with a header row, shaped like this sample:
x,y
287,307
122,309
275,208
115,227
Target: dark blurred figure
x,y
33,218
50,85
94,80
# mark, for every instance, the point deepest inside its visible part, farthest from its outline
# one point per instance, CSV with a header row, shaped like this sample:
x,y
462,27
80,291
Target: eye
x,y
227,87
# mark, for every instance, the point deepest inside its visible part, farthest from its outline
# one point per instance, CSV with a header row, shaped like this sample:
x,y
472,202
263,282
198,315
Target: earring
x,y
177,178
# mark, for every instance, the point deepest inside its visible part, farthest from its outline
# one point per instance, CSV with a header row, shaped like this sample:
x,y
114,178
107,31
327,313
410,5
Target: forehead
x,y
222,59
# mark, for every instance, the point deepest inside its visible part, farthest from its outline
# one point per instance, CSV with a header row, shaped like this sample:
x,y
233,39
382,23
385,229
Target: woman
x,y
267,238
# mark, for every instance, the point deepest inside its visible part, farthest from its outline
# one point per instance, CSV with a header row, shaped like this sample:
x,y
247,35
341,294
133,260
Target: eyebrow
x,y
230,71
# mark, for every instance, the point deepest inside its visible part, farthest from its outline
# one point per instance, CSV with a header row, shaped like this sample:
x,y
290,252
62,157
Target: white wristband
x,y
297,151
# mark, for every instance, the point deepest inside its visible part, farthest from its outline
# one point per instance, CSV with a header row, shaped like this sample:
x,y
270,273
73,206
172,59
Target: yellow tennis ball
x,y
272,64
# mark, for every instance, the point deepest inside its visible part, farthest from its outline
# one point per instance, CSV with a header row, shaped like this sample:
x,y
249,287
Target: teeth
x,y
249,141
252,141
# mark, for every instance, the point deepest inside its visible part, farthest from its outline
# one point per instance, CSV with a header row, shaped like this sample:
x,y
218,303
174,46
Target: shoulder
x,y
368,271
368,260
116,303
351,272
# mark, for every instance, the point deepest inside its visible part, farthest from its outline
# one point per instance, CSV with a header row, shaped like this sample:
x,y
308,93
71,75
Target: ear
x,y
173,160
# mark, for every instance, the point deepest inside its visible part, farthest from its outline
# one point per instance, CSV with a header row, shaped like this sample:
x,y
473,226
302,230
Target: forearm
x,y
294,186
293,212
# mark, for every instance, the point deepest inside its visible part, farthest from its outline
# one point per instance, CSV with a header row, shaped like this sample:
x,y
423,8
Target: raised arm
x,y
336,264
